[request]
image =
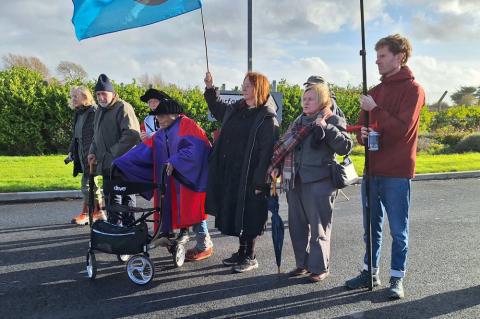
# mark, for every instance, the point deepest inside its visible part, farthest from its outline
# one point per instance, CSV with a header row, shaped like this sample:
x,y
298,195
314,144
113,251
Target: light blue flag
x,y
96,17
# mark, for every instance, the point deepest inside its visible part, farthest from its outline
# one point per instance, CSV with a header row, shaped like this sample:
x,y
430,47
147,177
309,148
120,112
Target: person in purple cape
x,y
181,147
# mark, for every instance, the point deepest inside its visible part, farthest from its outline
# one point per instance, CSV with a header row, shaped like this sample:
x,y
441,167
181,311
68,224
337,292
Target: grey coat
x,y
313,156
116,131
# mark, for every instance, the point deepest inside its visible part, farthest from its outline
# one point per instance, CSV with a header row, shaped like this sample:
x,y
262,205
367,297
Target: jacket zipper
x,y
248,169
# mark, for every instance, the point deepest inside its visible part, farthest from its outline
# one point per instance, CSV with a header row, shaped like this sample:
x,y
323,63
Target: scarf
x,y
283,151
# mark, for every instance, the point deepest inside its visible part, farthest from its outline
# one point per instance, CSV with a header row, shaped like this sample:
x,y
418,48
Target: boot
x,y
82,218
98,213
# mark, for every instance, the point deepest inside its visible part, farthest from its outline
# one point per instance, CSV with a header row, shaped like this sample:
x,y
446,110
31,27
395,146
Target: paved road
x,y
42,268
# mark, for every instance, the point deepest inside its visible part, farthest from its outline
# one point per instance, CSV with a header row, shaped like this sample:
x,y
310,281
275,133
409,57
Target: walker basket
x,y
114,239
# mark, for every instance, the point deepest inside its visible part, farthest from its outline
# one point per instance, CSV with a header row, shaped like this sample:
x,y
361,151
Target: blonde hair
x,y
261,87
86,94
322,93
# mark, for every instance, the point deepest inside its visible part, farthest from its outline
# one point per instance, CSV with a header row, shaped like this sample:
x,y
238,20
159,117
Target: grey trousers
x,y
310,209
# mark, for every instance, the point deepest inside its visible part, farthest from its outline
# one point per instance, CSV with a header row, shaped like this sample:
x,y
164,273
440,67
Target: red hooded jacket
x,y
399,100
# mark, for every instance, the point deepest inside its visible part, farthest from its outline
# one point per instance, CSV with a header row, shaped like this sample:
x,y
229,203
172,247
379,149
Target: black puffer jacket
x,y
87,113
248,213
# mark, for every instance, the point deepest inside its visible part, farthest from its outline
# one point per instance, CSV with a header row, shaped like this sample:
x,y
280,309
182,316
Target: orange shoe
x,y
82,218
98,215
195,255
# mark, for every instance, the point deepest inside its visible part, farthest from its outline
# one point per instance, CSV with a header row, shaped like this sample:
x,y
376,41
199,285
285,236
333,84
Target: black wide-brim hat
x,y
167,106
154,94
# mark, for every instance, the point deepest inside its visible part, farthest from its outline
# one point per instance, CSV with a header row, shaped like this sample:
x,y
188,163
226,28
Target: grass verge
x,y
44,173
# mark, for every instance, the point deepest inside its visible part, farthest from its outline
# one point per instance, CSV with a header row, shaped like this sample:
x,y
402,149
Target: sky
x,y
291,40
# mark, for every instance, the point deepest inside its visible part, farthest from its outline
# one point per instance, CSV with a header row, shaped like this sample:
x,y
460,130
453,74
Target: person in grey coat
x,y
316,135
116,131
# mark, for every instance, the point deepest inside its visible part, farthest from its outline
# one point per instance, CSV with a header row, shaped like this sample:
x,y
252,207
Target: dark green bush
x,y
470,143
429,145
448,135
292,102
426,118
35,118
465,118
349,101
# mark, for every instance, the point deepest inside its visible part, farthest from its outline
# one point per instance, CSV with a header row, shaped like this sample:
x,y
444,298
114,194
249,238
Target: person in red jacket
x,y
394,107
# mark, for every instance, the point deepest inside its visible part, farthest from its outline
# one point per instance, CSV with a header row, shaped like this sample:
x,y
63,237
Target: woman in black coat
x,y
237,188
83,104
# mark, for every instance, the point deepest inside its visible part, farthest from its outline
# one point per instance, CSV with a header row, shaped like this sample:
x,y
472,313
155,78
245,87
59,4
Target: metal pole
x,y
440,100
250,35
205,39
368,216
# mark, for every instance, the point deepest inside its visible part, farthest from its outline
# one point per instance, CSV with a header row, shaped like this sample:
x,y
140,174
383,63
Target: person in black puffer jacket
x,y
84,105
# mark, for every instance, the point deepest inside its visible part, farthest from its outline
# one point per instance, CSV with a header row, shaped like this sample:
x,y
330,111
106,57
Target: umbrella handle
x,y
273,187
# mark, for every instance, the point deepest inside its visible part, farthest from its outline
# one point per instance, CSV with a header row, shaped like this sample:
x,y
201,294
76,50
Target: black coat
x,y
87,137
249,212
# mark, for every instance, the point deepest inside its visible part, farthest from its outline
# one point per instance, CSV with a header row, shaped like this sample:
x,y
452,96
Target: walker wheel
x,y
123,258
140,269
91,265
179,255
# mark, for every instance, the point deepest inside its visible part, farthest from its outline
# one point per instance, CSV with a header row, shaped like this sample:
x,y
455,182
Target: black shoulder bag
x,y
343,173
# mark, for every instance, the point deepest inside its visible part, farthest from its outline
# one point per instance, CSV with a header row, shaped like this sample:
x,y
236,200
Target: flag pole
x,y
204,38
250,35
366,176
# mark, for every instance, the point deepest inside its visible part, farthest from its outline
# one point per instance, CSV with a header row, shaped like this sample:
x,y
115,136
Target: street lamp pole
x,y
250,35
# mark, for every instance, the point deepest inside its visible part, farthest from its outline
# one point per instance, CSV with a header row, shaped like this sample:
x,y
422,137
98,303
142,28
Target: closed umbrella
x,y
91,192
278,230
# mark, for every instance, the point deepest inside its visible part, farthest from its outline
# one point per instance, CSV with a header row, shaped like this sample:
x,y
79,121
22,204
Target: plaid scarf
x,y
283,151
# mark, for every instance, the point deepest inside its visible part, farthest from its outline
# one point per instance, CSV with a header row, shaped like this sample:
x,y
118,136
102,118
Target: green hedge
x,y
463,118
35,117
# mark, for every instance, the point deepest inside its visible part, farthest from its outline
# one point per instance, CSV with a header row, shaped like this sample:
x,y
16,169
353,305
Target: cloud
x,y
296,71
34,28
445,20
439,76
292,40
281,18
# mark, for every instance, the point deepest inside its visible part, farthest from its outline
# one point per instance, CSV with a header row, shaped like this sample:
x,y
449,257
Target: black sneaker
x,y
183,236
396,288
362,281
235,259
246,265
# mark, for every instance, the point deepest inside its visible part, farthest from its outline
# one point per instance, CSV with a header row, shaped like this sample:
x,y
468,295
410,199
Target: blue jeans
x,y
390,195
202,235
